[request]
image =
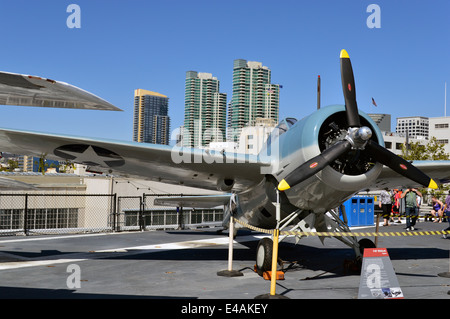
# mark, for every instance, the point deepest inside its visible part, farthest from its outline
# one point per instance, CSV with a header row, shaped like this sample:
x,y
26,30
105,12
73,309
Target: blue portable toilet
x,y
359,210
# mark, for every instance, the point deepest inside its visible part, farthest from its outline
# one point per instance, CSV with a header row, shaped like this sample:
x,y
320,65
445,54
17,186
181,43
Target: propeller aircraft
x,y
311,166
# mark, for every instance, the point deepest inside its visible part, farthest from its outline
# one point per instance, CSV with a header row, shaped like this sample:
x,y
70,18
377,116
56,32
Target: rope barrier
x,y
345,234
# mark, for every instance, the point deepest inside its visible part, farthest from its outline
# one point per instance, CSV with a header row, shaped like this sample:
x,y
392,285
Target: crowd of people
x,y
391,201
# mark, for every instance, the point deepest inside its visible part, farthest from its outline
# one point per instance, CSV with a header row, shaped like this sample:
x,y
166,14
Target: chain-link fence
x,y
28,214
55,213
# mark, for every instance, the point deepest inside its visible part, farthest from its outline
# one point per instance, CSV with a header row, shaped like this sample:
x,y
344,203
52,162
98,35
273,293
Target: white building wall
x,y
440,128
394,141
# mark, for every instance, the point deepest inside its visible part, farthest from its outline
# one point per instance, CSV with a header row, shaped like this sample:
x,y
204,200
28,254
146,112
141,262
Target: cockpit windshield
x,y
285,124
281,128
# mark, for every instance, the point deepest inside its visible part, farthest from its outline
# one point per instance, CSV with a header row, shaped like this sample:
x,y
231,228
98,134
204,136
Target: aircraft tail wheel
x,y
264,256
365,243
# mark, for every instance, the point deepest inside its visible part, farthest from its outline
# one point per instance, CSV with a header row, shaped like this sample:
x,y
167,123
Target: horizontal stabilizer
x,y
200,201
27,90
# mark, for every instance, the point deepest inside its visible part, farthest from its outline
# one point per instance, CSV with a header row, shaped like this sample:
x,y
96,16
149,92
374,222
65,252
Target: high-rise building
x,y
382,120
205,110
151,120
254,96
415,126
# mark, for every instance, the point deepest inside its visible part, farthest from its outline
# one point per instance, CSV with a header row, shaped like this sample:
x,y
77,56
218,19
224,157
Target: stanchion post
x,y
230,245
273,276
273,280
230,272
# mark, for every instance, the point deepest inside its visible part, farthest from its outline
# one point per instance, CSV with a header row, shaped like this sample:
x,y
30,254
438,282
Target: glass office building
x,y
151,120
205,110
254,97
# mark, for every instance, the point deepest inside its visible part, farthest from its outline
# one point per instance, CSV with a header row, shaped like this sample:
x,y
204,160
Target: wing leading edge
x,y
182,166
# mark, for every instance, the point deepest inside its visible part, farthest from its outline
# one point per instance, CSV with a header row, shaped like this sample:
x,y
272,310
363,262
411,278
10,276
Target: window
x,y
443,125
39,218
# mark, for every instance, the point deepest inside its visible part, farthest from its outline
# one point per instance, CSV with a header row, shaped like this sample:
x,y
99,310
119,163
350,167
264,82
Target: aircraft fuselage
x,y
293,146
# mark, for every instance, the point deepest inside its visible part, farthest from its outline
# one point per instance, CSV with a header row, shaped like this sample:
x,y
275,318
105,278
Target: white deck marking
x,y
79,257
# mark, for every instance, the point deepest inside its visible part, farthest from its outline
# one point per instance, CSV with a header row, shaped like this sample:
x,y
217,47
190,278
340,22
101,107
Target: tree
x,y
12,165
433,151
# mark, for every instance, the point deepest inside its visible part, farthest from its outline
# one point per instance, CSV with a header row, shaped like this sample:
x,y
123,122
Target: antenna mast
x,y
318,92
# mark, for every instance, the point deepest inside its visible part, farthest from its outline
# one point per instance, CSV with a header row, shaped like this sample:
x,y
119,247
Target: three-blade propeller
x,y
357,138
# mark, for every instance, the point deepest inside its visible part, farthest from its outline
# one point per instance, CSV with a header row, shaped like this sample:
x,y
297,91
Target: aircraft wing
x,y
182,166
437,170
27,90
200,201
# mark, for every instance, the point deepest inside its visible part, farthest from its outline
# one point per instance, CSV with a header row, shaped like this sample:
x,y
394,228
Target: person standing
x,y
447,213
419,202
410,196
385,203
396,205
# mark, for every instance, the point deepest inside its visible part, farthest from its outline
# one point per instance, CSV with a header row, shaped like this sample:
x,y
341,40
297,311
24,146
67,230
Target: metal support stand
x,y
230,272
273,276
377,226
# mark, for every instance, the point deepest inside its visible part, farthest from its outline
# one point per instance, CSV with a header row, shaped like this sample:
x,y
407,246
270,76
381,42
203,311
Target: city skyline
x,y
206,115
403,64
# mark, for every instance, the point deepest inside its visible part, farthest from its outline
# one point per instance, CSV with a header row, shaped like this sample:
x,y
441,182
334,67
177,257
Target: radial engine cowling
x,y
346,175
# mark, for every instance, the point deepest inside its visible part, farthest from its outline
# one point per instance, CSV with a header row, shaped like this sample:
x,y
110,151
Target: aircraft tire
x,y
264,256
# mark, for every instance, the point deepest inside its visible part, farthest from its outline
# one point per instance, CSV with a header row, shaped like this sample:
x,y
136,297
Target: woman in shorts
x,y
437,210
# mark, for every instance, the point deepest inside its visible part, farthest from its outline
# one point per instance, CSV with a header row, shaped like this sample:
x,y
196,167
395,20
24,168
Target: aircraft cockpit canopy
x,y
285,124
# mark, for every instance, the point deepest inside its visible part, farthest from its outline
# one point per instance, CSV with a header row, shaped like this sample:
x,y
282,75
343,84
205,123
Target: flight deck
x,y
183,264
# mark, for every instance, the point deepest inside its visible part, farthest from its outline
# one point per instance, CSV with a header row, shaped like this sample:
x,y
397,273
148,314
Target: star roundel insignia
x,y
89,155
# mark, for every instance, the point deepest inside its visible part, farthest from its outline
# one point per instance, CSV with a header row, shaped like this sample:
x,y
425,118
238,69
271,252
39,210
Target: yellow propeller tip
x,y
283,185
344,54
432,184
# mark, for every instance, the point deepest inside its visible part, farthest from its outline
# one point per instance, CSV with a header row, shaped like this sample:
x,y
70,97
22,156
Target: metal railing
x,y
140,212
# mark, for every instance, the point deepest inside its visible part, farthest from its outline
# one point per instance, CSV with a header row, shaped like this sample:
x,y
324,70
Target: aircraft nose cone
x,y
364,133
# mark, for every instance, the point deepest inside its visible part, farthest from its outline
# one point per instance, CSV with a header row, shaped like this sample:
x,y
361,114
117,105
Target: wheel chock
x,y
267,275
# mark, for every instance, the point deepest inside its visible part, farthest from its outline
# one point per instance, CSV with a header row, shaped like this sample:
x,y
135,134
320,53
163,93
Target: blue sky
x,y
125,45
